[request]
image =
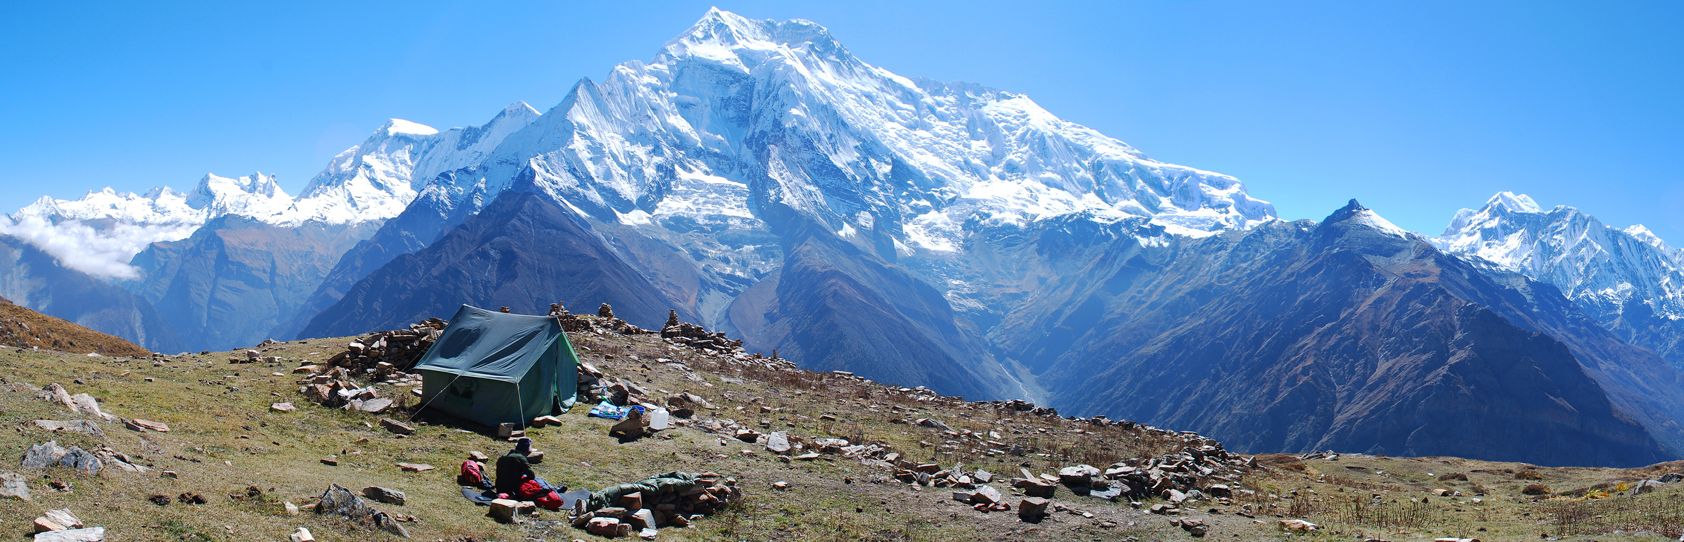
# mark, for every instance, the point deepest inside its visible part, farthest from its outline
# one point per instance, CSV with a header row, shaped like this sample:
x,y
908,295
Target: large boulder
x,y
50,454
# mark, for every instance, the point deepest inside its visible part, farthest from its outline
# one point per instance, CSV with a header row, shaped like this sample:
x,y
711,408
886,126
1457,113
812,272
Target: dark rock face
x,y
34,279
524,252
235,280
1298,336
833,306
421,223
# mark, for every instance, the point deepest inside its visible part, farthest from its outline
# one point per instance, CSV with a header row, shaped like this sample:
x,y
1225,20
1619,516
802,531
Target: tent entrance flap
x,y
492,367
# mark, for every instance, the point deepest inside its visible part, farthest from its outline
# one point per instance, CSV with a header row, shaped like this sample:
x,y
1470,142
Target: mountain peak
x,y
1350,210
238,195
397,127
725,37
1519,203
1355,213
518,109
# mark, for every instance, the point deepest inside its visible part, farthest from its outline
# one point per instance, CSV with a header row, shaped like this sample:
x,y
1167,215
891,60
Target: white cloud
x,y
101,252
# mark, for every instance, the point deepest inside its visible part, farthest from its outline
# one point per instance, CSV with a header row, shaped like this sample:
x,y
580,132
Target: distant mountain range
x,y
757,177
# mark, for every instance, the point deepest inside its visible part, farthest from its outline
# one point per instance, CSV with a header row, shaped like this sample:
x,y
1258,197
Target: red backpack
x,y
535,492
472,474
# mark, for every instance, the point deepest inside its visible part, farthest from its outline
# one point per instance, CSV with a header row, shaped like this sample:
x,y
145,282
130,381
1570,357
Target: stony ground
x,y
248,461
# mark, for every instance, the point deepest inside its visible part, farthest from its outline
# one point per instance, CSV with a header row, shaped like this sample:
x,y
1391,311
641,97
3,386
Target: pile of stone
x,y
1205,472
379,357
382,355
623,513
590,389
695,336
604,323
334,389
1021,406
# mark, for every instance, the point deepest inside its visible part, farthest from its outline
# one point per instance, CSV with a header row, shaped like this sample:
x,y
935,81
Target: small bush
x,y
1529,474
1453,476
1535,489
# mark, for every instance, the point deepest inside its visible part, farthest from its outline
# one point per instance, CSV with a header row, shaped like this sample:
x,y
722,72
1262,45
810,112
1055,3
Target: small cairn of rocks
x,y
695,336
604,323
382,356
384,353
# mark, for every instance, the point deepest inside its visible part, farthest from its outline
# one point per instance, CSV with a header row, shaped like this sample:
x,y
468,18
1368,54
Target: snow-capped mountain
x,y
1604,267
368,183
1628,279
739,127
737,114
743,140
376,179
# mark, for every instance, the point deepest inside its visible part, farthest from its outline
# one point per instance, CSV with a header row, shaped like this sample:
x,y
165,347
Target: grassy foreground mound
x,y
226,443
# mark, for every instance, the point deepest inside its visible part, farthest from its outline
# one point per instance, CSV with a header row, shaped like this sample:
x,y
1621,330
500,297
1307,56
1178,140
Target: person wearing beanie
x,y
513,468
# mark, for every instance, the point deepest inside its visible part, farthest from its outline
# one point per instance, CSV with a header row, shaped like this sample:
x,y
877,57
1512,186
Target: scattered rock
x,y
1298,526
780,485
414,467
62,516
1078,476
384,494
91,534
777,442
1032,509
375,406
608,527
285,407
1035,487
13,486
44,525
71,426
507,510
397,426
1194,527
629,429
138,424
49,454
301,535
339,501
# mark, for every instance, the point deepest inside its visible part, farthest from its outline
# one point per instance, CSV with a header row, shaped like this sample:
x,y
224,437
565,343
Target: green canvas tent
x,y
492,367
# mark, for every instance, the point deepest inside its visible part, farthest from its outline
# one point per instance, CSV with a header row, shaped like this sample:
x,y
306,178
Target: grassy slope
x,y
224,439
25,328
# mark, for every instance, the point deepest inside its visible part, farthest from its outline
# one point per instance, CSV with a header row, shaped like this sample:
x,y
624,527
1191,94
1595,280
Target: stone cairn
x,y
695,336
379,357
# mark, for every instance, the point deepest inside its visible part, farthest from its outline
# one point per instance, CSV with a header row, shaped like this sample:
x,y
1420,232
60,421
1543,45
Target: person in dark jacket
x,y
513,468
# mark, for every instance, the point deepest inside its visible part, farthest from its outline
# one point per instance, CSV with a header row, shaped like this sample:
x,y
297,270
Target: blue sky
x,y
1416,108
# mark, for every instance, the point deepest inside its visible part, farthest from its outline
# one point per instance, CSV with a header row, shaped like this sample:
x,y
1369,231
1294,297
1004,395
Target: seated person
x,y
516,480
